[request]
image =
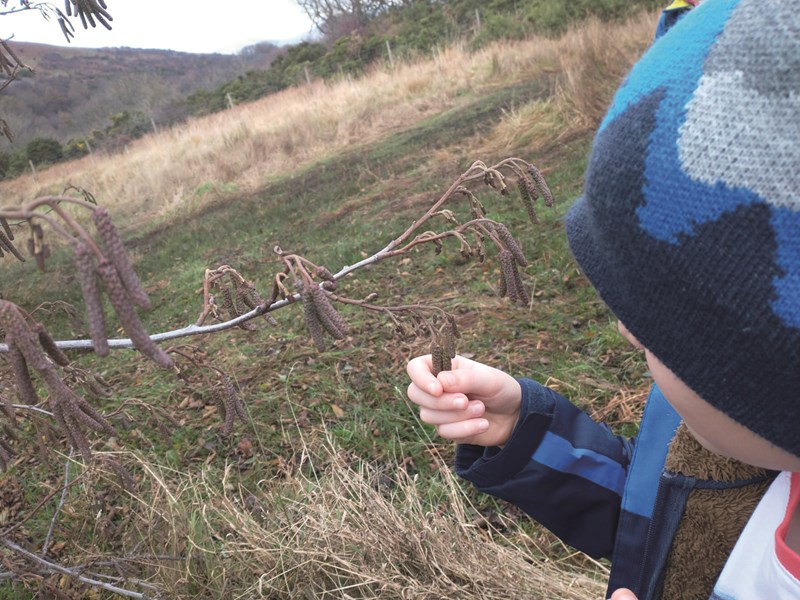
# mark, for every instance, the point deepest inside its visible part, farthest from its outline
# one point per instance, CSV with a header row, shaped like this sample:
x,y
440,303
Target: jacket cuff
x,y
488,466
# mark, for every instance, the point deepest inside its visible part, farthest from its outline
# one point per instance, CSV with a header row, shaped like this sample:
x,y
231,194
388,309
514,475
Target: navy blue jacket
x,y
600,493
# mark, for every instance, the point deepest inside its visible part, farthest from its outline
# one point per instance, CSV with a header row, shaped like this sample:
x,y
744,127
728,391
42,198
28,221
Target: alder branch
x,y
478,170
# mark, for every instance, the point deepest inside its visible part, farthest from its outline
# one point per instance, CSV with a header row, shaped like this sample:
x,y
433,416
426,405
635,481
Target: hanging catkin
x,y
118,255
87,277
127,315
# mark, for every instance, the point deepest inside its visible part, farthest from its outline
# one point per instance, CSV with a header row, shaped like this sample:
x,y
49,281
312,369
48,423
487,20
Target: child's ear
x,y
629,336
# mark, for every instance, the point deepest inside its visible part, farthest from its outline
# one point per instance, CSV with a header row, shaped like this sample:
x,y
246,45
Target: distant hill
x,y
74,91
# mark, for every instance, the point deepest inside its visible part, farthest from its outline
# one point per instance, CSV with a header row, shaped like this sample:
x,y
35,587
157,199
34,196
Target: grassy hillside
x,y
334,489
73,92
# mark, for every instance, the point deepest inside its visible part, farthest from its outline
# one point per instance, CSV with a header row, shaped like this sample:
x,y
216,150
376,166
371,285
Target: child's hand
x,y
471,404
623,594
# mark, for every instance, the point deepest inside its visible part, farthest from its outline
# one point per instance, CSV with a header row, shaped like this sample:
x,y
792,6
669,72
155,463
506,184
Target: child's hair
x,y
689,226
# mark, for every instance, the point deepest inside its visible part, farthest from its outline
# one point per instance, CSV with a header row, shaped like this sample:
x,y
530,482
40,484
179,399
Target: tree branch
x,y
478,170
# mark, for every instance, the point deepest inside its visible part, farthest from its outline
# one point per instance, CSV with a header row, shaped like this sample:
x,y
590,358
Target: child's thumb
x,y
623,594
448,379
460,380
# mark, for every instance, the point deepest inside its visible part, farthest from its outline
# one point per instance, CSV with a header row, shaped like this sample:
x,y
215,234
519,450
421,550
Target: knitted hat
x,y
689,226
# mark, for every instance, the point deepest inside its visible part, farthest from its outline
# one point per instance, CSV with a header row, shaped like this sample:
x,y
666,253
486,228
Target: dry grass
x,y
591,60
238,150
341,528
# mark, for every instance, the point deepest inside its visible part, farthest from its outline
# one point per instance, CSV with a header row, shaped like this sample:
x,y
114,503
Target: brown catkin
x,y
8,245
451,320
447,363
331,320
126,480
218,397
127,315
541,184
22,377
49,345
523,298
230,413
502,289
17,328
516,291
95,389
313,322
449,345
227,302
6,228
437,358
236,399
252,299
76,407
77,438
239,307
85,266
118,255
71,429
510,243
507,287
529,195
248,294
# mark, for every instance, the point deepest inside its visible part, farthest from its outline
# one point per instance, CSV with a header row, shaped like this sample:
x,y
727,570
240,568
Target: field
x,y
334,489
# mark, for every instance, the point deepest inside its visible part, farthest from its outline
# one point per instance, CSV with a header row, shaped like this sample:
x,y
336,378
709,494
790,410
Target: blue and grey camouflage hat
x,y
689,226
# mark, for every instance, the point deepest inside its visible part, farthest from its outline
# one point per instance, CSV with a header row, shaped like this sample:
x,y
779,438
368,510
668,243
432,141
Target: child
x,y
672,14
689,229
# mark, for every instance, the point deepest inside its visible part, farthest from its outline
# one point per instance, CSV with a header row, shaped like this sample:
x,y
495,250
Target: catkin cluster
x,y
114,273
531,187
9,61
240,299
510,280
33,348
88,11
229,404
320,316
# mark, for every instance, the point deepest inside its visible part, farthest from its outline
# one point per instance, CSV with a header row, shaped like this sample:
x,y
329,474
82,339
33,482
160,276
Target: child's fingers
x,y
420,371
470,378
443,417
442,402
463,429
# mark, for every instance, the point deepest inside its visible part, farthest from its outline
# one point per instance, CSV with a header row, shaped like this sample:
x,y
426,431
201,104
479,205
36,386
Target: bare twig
x,y
56,568
60,504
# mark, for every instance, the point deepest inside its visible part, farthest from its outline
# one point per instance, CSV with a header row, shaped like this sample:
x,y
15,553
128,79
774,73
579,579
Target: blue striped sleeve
x,y
559,466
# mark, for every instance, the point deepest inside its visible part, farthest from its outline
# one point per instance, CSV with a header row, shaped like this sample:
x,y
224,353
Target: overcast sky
x,y
186,25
